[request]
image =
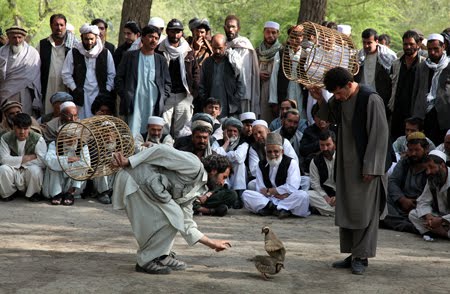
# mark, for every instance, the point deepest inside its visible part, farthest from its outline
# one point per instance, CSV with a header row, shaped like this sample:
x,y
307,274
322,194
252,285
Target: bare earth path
x,y
89,248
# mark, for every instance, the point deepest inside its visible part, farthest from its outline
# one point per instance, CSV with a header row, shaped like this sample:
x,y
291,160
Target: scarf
x,y
385,56
94,52
70,40
172,53
437,68
267,54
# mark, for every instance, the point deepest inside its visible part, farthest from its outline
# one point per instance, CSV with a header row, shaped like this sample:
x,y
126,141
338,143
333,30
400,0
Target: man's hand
x,y
72,159
316,93
264,76
198,44
406,204
204,197
433,222
368,178
27,158
331,200
148,144
281,196
217,245
120,160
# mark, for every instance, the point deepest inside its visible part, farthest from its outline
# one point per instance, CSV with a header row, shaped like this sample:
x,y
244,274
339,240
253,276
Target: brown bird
x,y
273,245
267,265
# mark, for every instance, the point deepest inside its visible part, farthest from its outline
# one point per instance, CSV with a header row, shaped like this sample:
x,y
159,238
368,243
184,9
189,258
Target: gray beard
x,y
16,49
274,162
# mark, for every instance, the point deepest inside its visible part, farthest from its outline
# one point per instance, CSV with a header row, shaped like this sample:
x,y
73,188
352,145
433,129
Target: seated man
x,y
10,109
157,188
406,184
22,152
289,129
322,196
277,184
68,155
104,105
234,147
412,124
56,100
432,215
155,135
247,119
68,113
217,199
445,147
285,106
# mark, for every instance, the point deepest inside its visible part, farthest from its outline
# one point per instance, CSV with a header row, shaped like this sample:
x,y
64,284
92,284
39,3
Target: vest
x,y
30,144
435,204
160,140
359,123
79,74
282,172
319,161
45,52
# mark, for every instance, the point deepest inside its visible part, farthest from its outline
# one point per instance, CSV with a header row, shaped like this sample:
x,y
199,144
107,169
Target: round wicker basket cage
x,y
312,50
85,148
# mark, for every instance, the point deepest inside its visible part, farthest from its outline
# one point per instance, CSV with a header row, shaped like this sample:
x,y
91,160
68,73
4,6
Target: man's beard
x,y
409,52
110,146
328,154
71,148
416,160
154,139
212,183
437,180
174,40
288,132
274,162
59,37
15,49
89,49
233,139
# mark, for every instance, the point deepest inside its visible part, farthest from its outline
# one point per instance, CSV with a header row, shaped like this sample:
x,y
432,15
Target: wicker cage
x,y
312,50
85,148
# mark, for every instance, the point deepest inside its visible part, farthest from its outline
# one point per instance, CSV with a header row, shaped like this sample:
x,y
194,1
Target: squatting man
x,y
157,188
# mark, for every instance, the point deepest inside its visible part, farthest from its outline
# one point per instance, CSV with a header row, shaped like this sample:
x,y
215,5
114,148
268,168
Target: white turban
x,y
156,120
437,37
247,116
272,25
89,29
157,22
260,122
344,29
67,104
438,154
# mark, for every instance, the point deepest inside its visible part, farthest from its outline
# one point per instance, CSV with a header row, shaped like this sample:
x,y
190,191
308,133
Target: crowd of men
x,y
362,149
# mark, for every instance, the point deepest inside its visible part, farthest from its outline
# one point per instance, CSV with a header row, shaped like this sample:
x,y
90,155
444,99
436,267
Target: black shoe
x,y
104,198
154,268
36,197
347,263
7,199
358,266
268,209
283,213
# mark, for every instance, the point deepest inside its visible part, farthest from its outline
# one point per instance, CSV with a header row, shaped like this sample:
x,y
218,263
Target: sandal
x,y
57,200
68,200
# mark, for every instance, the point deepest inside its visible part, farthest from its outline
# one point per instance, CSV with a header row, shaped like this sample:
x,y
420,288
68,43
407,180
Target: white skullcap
x,y
438,154
157,22
89,29
156,120
438,37
260,122
448,132
247,116
272,25
70,27
66,104
108,123
344,29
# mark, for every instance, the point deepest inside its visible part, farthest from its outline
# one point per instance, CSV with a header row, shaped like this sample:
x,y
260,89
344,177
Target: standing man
x,y
219,80
243,58
184,72
103,32
53,51
375,65
430,94
143,82
157,214
20,71
88,70
131,33
403,73
361,164
266,52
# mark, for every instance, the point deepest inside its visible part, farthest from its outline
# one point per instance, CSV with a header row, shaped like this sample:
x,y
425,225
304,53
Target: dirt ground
x,y
89,248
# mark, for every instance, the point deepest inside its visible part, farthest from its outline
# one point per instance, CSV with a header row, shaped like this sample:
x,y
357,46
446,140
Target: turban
x,y
61,97
89,29
234,122
66,105
156,120
201,123
438,154
157,22
16,30
344,29
10,104
272,25
260,122
203,116
274,139
247,116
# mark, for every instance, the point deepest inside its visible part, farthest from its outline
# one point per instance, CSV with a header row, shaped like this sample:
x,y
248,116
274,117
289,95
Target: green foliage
x,y
386,16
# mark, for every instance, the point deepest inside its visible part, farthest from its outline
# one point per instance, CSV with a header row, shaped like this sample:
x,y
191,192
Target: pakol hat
x,y
274,139
16,30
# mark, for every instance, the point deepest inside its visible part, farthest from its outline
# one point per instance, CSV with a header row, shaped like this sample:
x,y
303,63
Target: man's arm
x,y
111,72
315,179
67,72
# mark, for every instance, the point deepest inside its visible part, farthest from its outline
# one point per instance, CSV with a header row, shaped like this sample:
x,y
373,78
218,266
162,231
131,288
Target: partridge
x,y
267,265
273,245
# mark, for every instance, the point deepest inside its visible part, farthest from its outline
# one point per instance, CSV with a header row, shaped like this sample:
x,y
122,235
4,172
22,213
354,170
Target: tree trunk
x,y
312,10
136,10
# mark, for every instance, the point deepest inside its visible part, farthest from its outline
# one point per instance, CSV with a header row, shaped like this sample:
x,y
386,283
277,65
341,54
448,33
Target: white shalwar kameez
x,y
238,180
297,202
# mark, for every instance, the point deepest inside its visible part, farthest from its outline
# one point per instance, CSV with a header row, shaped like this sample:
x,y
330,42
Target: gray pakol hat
x,y
274,139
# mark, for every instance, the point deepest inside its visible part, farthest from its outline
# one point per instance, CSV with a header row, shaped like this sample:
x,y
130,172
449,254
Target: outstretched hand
x,y
120,160
218,245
